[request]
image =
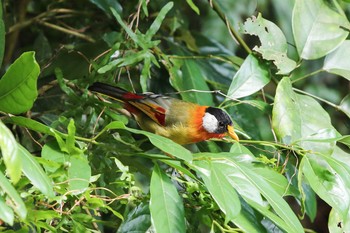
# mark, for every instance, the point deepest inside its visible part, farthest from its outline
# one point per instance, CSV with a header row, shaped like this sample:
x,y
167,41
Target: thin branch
x,y
232,31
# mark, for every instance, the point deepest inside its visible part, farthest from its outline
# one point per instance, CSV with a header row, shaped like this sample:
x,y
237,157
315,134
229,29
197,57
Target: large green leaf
x,y
250,78
317,29
9,151
15,201
239,175
138,220
79,173
330,179
6,213
18,85
160,142
273,43
166,205
337,61
301,119
35,173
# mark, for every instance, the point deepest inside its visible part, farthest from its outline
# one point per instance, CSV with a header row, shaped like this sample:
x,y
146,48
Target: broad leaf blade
x,y
273,43
6,213
250,78
79,173
337,61
35,173
166,206
317,29
301,119
9,151
18,87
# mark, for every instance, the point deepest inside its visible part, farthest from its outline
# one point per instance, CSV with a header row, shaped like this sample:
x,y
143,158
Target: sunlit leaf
x,y
336,61
317,29
250,78
6,213
35,173
337,223
330,179
9,151
18,87
345,105
193,6
273,43
166,206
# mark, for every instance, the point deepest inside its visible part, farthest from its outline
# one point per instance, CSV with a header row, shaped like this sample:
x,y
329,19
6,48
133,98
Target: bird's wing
x,y
154,106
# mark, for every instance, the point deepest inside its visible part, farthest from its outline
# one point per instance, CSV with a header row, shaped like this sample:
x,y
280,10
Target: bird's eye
x,y
221,124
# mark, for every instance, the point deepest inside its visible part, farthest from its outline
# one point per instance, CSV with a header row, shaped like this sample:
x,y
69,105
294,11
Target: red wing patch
x,y
155,112
131,96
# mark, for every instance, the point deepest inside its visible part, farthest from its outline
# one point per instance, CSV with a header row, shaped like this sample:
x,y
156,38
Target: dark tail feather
x,y
114,92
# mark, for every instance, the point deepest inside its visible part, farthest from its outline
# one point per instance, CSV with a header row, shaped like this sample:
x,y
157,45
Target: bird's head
x,y
216,121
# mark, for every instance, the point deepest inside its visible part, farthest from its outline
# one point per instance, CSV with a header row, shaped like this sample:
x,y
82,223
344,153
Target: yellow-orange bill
x,y
232,133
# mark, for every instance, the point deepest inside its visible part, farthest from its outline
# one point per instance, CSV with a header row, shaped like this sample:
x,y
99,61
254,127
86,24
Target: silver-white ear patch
x,y
210,123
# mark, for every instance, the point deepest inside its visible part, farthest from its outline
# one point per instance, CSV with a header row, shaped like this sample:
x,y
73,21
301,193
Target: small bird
x,y
181,121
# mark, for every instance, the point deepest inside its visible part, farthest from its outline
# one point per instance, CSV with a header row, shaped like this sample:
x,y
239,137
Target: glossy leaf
x,y
335,62
250,185
35,173
18,87
162,143
273,43
337,223
9,151
215,175
317,29
250,78
6,213
330,179
166,205
301,119
16,202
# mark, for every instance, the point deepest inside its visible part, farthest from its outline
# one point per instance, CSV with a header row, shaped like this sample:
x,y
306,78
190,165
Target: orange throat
x,y
198,133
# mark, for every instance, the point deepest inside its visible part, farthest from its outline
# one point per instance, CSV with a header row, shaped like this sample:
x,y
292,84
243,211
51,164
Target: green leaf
x,y
192,78
2,35
317,29
135,37
251,186
6,213
166,205
15,202
345,105
336,62
158,21
217,179
301,119
54,156
105,5
9,151
79,173
18,85
193,6
138,220
273,43
35,173
162,143
330,179
250,78
337,223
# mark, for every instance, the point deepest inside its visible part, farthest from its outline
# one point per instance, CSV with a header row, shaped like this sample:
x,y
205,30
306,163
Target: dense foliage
x,y
72,163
